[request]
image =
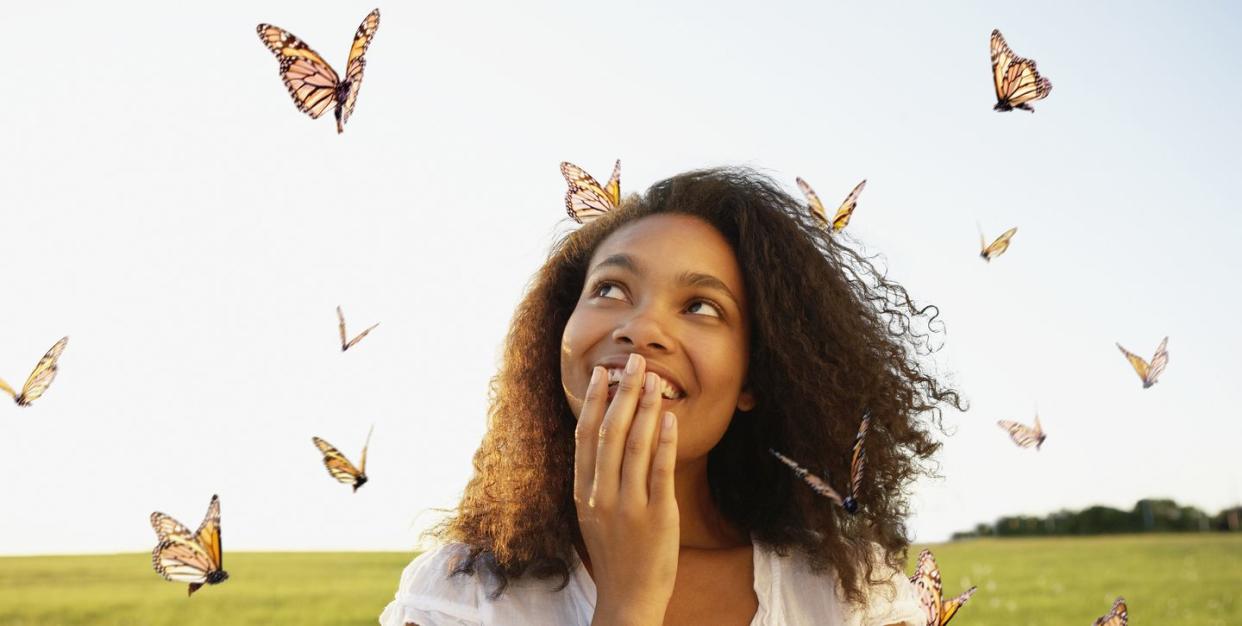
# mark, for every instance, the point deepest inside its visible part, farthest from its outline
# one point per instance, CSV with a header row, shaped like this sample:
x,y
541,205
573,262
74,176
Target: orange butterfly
x,y
842,216
313,84
857,463
39,380
183,557
339,467
1149,372
586,199
345,345
926,580
1023,435
1119,616
996,248
1016,80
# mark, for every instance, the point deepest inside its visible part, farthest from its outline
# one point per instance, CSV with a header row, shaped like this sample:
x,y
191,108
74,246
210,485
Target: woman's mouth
x,y
668,391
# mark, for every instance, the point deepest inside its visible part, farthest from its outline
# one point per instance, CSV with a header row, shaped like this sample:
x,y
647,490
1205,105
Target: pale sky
x,y
169,209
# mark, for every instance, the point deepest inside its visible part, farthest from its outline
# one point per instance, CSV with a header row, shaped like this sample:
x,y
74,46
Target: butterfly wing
x,y
1021,434
847,207
338,466
1118,616
7,389
43,375
359,337
208,534
1137,362
817,205
926,581
998,247
951,607
340,317
165,527
357,63
857,462
310,80
180,560
816,483
1016,79
1158,363
585,199
362,466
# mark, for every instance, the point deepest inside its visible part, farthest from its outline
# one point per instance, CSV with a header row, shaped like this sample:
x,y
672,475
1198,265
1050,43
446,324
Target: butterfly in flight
x,y
1023,435
313,84
39,379
586,199
857,462
842,216
1017,81
339,467
926,580
183,557
996,248
345,345
1149,372
1116,617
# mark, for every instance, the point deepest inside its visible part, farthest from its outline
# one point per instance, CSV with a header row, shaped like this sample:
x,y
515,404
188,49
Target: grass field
x,y
1183,580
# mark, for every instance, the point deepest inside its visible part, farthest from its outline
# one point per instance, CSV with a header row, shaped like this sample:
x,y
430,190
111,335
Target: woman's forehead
x,y
670,244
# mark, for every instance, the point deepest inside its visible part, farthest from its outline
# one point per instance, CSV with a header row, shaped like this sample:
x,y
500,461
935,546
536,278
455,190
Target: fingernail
x,y
649,382
594,376
631,366
667,424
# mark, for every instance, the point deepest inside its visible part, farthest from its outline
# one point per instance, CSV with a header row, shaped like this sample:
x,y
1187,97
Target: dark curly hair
x,y
831,337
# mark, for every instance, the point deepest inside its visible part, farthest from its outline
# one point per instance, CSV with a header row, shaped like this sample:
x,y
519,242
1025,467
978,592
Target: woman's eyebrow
x,y
689,279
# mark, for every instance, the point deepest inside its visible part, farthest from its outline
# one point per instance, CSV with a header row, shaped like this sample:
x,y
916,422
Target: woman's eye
x,y
603,287
713,308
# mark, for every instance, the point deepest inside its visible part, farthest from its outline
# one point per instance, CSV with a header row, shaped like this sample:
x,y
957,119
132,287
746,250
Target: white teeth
x,y
667,390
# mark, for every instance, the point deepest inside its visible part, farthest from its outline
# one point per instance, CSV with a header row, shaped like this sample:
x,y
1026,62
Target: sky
x,y
167,208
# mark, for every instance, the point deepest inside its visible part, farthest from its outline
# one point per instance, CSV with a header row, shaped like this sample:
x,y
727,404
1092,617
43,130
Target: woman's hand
x,y
623,489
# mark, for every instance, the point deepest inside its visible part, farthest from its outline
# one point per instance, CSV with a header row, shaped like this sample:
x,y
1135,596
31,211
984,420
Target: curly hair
x,y
830,337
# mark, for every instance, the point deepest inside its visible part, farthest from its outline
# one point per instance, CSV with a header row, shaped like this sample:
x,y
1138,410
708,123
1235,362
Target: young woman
x,y
626,476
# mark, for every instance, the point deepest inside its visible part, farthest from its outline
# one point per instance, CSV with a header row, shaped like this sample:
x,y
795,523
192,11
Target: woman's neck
x,y
702,525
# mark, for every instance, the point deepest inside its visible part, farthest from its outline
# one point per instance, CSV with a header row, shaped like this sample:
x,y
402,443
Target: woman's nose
x,y
642,330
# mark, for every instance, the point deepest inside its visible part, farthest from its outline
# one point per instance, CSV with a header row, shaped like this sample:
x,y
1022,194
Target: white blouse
x,y
789,595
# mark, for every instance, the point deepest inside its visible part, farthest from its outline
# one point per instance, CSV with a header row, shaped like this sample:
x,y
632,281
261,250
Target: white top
x,y
789,595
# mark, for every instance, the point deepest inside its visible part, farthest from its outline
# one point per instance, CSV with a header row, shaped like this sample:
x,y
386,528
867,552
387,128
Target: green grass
x,y
303,588
1182,580
1187,580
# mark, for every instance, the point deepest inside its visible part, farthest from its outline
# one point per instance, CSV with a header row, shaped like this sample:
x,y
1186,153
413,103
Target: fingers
x,y
638,446
614,430
593,405
664,462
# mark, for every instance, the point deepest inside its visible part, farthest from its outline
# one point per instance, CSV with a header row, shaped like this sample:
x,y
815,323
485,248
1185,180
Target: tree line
x,y
1147,516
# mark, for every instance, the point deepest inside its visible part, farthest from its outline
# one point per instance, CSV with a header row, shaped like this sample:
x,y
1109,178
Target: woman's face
x,y
667,287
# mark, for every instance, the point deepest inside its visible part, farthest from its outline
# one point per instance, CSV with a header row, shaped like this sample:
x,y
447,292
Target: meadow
x,y
1187,580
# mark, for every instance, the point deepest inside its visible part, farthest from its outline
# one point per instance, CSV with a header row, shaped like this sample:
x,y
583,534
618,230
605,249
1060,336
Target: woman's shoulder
x,y
430,593
802,595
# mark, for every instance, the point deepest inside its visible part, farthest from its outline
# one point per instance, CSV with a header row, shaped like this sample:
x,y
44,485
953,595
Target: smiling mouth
x,y
668,390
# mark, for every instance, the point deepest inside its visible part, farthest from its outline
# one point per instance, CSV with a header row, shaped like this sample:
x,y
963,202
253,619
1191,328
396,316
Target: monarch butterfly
x,y
926,580
586,199
857,462
1149,372
1116,617
1025,436
39,379
189,558
844,212
313,84
996,248
345,345
339,467
1016,80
